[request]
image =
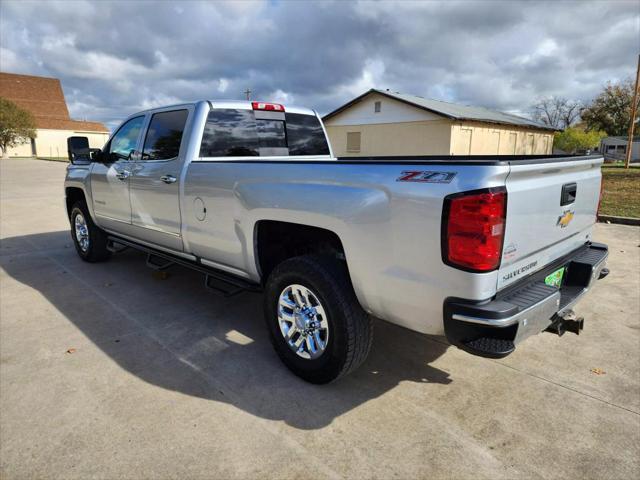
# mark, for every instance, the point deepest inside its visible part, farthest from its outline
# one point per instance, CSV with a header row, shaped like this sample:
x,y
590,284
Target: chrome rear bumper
x,y
492,328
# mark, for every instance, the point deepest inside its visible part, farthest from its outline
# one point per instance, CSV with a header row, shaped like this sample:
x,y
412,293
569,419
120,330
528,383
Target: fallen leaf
x,y
71,350
598,371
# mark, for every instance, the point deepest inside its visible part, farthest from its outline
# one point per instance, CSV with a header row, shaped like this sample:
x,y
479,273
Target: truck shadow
x,y
173,333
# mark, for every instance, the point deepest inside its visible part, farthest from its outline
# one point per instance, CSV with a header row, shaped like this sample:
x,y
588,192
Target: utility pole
x,y
247,93
634,107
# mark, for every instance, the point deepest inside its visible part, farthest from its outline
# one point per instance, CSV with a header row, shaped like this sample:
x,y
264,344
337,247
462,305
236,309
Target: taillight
x,y
473,229
276,107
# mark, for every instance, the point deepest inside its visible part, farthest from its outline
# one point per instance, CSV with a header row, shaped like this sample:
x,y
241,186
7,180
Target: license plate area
x,y
555,278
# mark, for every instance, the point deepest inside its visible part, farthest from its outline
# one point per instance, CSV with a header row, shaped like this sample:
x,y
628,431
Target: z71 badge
x,y
427,177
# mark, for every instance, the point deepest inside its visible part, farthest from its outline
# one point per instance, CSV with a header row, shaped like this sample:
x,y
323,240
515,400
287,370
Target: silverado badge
x,y
565,219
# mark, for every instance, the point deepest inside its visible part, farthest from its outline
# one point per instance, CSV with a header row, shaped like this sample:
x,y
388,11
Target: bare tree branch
x,y
557,112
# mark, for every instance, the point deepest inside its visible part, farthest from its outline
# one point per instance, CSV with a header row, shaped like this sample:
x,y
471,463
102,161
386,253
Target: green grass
x,y
620,191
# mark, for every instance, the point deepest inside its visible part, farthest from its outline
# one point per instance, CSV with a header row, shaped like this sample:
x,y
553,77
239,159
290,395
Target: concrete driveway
x,y
108,371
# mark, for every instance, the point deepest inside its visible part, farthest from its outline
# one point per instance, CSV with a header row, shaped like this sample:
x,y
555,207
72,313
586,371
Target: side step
x,y
116,247
219,281
157,262
222,286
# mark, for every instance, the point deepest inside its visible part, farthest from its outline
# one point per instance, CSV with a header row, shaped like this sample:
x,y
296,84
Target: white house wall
x,y
53,143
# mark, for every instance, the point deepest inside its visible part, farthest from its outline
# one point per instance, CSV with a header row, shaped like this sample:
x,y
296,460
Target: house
x,y
381,122
43,97
615,148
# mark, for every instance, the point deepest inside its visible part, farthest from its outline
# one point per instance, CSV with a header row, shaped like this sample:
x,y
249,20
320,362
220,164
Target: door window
x,y
123,143
164,135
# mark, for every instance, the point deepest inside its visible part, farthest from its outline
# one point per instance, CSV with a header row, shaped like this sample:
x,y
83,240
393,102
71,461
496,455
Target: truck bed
x,y
467,159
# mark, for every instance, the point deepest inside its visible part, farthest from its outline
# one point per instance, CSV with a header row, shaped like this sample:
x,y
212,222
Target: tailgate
x,y
551,207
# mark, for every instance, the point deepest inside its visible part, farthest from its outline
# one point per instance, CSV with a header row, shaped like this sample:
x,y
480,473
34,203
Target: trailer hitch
x,y
567,322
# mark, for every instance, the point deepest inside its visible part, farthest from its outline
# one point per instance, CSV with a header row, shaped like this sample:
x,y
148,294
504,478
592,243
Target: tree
x,y
16,125
576,140
557,112
610,111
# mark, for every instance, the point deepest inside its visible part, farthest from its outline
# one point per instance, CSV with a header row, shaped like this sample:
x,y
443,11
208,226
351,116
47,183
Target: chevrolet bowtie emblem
x,y
565,219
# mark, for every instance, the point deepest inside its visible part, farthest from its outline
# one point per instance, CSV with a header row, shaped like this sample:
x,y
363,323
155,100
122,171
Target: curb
x,y
619,220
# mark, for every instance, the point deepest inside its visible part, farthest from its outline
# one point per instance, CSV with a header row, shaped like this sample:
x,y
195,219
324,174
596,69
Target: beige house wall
x,y
430,137
53,143
476,138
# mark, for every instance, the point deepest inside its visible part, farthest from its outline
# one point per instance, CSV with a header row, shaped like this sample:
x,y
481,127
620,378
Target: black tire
x,y
97,249
350,327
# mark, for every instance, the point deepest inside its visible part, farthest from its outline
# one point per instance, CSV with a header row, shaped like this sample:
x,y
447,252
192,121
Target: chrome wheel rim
x,y
303,321
82,232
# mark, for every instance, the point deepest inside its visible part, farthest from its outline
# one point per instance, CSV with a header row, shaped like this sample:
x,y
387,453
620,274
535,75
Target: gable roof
x,y
44,99
452,111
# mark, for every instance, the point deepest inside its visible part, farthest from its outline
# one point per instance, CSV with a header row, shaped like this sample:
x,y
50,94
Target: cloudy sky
x,y
114,58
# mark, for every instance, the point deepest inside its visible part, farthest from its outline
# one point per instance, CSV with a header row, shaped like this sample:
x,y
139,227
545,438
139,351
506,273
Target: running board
x,y
115,247
222,286
157,262
219,281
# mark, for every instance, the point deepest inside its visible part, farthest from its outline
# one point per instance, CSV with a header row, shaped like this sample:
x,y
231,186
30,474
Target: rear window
x,y
305,135
238,133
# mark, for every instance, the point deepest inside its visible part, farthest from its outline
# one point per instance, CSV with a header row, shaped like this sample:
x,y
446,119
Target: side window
x,y
164,135
377,106
124,141
230,133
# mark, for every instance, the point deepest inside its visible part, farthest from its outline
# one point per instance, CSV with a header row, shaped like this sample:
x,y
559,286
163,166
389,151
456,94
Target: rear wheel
x,y
316,324
90,240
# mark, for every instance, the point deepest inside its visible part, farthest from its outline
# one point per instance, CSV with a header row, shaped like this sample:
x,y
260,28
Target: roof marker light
x,y
276,107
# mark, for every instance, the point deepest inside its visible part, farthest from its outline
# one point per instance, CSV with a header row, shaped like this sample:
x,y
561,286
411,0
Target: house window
x,y
377,106
353,142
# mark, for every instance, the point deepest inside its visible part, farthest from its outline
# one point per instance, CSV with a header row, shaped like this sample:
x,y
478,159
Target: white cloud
x,y
9,61
280,97
122,56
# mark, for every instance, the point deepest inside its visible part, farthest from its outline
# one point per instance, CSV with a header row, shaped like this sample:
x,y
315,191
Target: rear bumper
x,y
492,328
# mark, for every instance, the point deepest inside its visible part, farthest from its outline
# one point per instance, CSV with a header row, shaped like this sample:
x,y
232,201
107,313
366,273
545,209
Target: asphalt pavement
x,y
110,371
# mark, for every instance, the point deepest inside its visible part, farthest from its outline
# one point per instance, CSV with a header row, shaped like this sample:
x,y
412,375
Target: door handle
x,y
569,192
168,179
123,175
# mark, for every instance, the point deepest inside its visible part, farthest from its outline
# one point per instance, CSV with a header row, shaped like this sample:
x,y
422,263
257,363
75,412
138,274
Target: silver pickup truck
x,y
484,250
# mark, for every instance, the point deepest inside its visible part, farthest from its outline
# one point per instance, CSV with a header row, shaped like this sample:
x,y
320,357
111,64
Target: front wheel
x,y
89,239
315,322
